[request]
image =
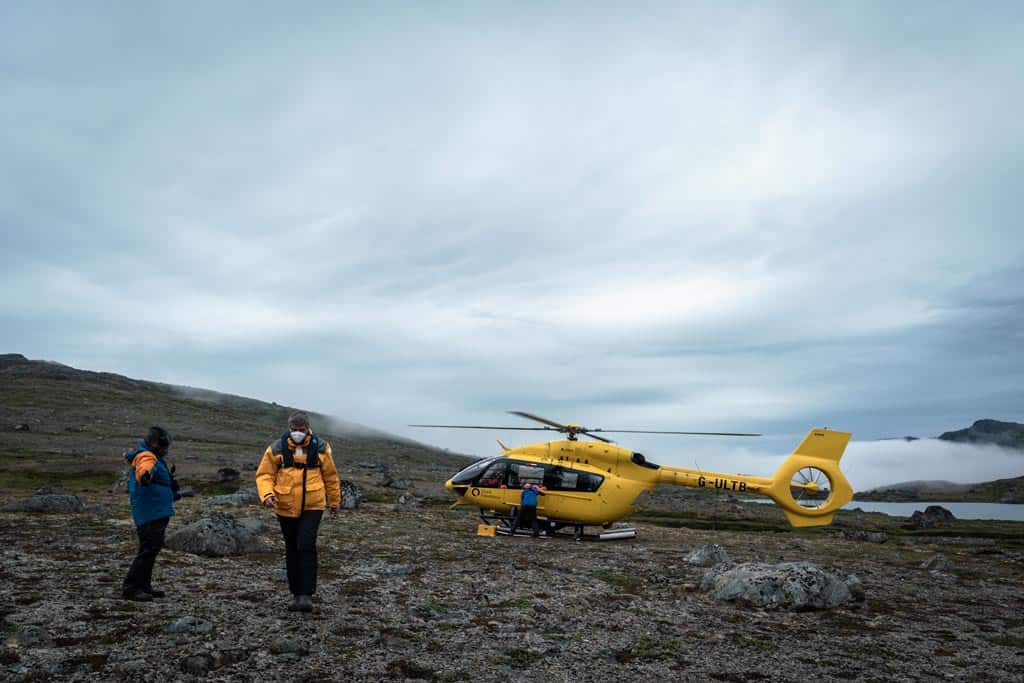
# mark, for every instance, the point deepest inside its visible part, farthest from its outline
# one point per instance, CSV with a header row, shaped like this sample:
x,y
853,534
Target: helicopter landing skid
x,y
550,529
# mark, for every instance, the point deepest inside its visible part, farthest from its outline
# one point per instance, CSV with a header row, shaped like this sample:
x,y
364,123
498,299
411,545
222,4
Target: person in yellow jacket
x,y
298,479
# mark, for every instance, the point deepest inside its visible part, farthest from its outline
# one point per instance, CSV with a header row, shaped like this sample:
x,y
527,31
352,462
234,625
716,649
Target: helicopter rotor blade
x,y
595,436
537,418
647,431
518,429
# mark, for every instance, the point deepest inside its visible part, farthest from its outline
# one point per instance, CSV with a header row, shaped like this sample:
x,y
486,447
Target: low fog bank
x,y
871,464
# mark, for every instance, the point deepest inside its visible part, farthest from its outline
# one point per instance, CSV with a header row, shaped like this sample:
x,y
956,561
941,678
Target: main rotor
x,y
572,430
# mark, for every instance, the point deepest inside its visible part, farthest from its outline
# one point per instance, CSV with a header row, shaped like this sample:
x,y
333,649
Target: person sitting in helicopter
x,y
528,509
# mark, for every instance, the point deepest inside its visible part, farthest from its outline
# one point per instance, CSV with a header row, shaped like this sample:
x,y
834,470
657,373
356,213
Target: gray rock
x,y
198,665
216,535
226,474
939,564
187,492
855,587
243,497
862,535
254,524
708,555
22,427
351,495
391,483
190,625
29,636
933,516
120,485
789,585
50,503
407,503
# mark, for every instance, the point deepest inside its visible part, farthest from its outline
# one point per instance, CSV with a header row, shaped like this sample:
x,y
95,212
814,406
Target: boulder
x,y
226,474
795,586
120,485
407,503
243,497
190,624
939,564
394,482
55,503
216,535
351,496
933,516
708,555
862,535
254,524
187,492
22,427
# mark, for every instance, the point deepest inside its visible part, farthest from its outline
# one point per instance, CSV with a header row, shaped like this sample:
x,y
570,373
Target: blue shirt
x,y
529,498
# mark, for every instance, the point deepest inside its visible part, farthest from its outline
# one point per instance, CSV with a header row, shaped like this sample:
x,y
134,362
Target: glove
x,y
147,478
174,488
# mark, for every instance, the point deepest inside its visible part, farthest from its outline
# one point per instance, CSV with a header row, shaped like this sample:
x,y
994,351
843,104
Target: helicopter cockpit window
x,y
467,475
494,475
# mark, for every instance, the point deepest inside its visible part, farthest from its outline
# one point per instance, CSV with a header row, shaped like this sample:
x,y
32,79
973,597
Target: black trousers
x,y
300,550
527,515
151,540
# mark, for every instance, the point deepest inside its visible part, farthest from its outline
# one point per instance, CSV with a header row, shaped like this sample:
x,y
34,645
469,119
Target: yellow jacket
x,y
321,483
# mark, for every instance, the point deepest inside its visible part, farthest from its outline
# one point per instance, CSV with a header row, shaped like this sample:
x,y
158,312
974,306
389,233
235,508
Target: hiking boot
x,y
294,607
155,592
304,603
137,595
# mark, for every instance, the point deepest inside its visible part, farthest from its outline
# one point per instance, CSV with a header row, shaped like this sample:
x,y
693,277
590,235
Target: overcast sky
x,y
755,217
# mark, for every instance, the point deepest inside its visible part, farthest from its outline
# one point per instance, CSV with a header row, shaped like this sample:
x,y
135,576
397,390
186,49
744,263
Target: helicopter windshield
x,y
467,475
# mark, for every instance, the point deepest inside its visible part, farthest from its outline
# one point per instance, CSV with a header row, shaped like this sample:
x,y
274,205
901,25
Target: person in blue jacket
x,y
153,490
528,509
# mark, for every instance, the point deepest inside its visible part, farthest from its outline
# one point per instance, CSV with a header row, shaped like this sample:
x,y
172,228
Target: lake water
x,y
959,510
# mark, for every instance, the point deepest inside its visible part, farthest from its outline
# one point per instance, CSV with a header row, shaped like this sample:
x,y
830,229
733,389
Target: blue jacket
x,y
529,499
155,500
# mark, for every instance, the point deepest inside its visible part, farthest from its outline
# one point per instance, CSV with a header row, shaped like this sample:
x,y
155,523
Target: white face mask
x,y
298,437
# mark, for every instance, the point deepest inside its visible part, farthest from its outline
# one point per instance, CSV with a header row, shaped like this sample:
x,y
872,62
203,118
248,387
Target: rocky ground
x,y
417,595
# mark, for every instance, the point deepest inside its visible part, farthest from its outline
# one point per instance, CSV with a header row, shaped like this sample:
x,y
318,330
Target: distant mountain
x,y
998,491
1006,434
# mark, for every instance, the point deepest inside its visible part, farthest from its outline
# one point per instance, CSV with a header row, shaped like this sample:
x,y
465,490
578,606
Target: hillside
x,y
998,491
60,425
1006,434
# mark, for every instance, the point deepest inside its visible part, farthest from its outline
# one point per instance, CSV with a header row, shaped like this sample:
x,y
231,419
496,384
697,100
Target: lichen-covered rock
x,y
789,585
862,535
216,535
407,503
238,499
351,495
254,524
933,516
708,555
939,564
51,503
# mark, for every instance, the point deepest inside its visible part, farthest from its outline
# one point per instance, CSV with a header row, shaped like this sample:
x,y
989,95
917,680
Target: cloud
x,y
697,217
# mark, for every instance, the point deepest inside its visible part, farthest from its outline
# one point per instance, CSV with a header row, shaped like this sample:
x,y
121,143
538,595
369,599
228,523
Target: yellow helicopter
x,y
596,482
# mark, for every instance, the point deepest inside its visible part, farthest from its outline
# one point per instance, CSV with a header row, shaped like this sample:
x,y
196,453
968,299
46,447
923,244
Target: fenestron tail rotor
x,y
572,431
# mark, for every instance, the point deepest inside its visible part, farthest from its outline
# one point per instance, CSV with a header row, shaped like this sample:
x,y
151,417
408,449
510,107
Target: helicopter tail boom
x,y
808,486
